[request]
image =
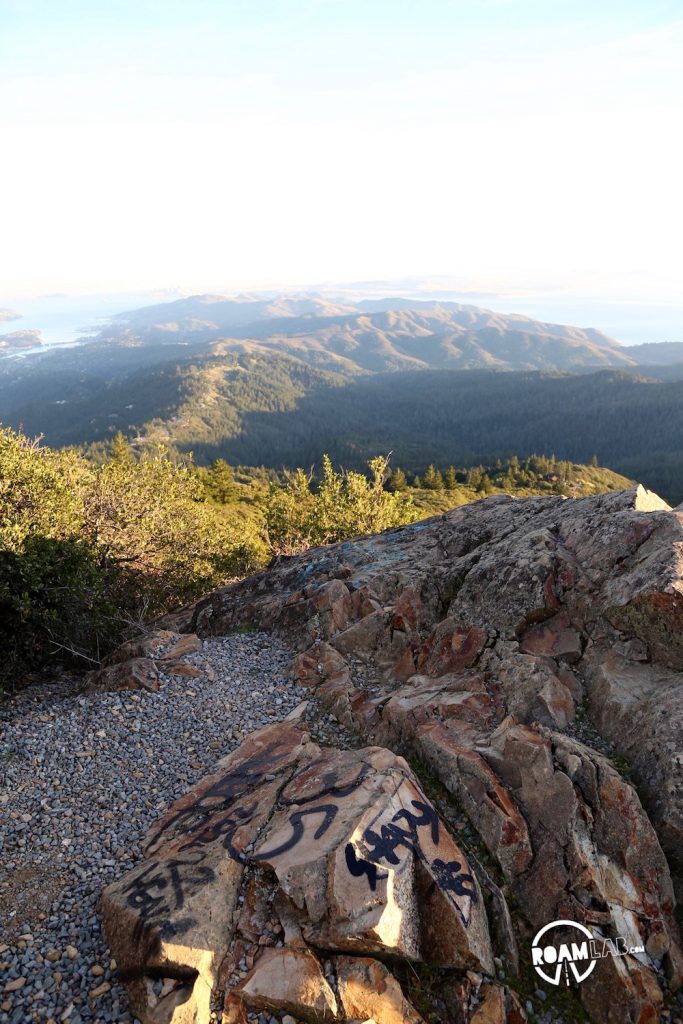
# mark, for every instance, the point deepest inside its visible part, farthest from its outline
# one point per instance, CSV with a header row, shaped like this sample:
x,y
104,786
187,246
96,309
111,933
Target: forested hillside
x,y
91,547
276,381
279,411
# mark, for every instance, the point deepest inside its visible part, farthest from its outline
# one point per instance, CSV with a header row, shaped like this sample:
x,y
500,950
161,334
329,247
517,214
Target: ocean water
x,y
66,319
627,322
59,320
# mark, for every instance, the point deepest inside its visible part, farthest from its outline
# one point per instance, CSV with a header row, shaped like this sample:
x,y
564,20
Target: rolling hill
x,y
373,336
277,381
663,353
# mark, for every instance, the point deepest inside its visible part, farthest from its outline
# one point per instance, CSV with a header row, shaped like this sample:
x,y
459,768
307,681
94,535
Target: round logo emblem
x,y
561,947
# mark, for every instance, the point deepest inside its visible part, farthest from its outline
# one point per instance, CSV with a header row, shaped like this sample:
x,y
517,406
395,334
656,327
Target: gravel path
x,y
81,781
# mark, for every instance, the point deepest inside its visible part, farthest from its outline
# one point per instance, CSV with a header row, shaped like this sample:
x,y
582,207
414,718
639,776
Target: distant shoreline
x,y
60,322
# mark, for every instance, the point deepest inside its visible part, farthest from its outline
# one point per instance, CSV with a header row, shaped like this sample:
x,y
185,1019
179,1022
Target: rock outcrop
x,y
136,664
506,649
288,851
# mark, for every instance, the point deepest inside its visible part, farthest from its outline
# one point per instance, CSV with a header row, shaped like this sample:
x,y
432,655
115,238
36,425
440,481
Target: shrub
x,y
54,599
85,550
41,491
344,505
148,520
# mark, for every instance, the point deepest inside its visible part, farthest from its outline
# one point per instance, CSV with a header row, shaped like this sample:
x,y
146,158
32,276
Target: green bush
x,y
344,505
148,520
86,550
41,491
54,600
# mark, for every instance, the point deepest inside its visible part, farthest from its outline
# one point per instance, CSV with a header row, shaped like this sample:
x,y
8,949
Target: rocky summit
x,y
512,676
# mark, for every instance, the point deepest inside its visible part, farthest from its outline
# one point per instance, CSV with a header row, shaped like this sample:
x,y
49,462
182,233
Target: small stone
x,y
95,993
71,952
14,986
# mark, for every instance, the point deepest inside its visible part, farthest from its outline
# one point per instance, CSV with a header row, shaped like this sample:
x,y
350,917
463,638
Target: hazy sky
x,y
242,143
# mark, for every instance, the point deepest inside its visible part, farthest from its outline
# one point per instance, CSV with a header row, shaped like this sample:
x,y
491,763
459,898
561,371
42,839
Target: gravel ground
x,y
81,781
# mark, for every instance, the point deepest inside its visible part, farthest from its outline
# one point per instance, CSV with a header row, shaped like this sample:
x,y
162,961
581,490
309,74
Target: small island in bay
x,y
17,340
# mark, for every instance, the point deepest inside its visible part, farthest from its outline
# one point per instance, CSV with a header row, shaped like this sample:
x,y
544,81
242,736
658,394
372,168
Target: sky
x,y
502,144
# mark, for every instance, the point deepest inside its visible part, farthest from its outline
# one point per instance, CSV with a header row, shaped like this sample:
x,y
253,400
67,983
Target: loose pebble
x,y
83,779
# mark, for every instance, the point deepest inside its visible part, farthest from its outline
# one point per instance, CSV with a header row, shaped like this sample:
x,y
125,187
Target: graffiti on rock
x,y
220,796
386,843
159,891
383,845
296,820
358,867
405,826
413,830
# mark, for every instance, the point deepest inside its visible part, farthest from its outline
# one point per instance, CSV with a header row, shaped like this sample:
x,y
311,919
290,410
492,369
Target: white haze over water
x,y
64,318
300,140
630,324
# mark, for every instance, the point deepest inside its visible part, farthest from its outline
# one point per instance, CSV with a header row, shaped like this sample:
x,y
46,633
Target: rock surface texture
x,y
493,663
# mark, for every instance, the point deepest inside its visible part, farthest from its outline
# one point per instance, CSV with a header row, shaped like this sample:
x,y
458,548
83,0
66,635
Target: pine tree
x,y
417,482
398,481
450,479
474,476
432,479
120,449
221,482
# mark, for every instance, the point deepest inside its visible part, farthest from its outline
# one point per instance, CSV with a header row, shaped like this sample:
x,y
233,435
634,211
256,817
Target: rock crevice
x,y
511,647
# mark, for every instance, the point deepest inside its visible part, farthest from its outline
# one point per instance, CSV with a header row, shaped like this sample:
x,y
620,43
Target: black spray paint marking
x,y
296,821
359,867
381,847
161,889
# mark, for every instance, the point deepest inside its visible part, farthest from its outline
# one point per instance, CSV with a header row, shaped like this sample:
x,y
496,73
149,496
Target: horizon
x,y
341,396
64,317
520,148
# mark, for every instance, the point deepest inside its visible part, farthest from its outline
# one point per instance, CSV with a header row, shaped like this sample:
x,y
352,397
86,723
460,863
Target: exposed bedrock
x,y
504,650
288,856
553,605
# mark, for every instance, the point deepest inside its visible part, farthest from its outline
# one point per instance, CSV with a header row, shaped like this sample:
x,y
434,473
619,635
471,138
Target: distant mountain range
x,y
278,380
374,335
